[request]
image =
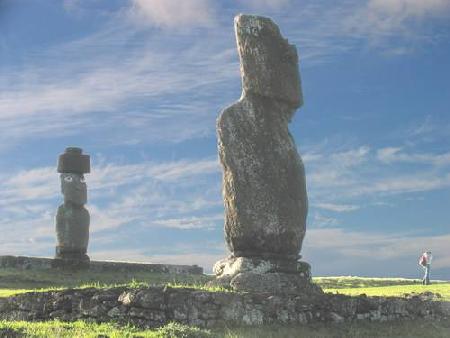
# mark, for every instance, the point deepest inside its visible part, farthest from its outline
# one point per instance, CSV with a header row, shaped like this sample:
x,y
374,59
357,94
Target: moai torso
x,y
72,219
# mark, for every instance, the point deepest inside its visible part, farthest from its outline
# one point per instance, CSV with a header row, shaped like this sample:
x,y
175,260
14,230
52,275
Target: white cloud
x,y
410,8
351,157
35,184
371,248
388,27
132,90
176,195
394,154
387,154
266,4
321,221
190,222
337,207
338,178
406,183
43,183
118,85
174,14
385,19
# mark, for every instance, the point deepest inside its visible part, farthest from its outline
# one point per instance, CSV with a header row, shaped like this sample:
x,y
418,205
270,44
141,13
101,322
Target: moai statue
x,y
264,187
72,219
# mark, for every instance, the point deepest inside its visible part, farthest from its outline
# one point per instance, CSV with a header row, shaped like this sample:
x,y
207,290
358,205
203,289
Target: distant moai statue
x,y
72,219
264,186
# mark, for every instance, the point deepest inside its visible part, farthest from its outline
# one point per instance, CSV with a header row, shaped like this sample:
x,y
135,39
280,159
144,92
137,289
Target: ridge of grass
x,y
44,279
359,329
443,289
344,282
14,282
83,329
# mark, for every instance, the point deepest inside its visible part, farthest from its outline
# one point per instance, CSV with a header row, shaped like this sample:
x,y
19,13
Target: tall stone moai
x,y
72,219
264,187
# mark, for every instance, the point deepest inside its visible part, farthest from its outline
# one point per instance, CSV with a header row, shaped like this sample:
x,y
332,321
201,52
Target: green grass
x,y
396,290
386,287
13,281
358,329
346,282
348,330
12,292
87,330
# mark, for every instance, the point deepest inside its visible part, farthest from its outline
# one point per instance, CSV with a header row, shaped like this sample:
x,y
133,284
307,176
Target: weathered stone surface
x,y
231,266
264,185
72,219
273,282
262,275
156,306
264,182
269,64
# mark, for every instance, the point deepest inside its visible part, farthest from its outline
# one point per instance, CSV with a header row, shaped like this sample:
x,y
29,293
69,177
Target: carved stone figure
x,y
72,219
264,186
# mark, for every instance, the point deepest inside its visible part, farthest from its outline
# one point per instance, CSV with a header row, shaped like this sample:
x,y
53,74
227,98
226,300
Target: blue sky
x,y
139,84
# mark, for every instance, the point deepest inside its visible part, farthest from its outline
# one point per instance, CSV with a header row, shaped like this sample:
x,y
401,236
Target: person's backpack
x,y
423,260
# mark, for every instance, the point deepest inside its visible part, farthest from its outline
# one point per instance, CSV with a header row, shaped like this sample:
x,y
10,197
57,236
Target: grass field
x,y
387,287
173,330
13,281
45,279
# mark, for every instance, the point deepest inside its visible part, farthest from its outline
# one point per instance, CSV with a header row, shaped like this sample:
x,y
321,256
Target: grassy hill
x,y
14,281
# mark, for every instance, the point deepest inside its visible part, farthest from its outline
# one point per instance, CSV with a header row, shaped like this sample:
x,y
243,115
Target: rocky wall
x,y
25,263
156,306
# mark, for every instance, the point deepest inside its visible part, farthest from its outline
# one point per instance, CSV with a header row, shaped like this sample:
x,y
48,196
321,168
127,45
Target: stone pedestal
x,y
264,275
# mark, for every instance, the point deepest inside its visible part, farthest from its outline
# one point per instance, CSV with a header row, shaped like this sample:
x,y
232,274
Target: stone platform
x,y
156,306
26,263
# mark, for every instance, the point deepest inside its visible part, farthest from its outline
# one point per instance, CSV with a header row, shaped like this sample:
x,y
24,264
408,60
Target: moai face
x,y
269,64
74,189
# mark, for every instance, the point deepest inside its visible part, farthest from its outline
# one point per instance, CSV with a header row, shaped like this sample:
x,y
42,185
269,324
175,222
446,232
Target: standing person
x,y
425,262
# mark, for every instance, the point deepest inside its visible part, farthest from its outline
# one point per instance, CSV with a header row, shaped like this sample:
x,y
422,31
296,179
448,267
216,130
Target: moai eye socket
x,y
68,179
82,180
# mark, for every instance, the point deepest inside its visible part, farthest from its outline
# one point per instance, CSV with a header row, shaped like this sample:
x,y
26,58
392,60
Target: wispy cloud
x,y
383,20
395,154
126,79
174,14
388,27
179,195
321,221
120,84
338,177
358,244
400,10
191,222
265,4
337,207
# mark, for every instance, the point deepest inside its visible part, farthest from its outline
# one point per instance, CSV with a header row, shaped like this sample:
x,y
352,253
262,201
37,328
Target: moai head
x,y
269,64
74,188
72,165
